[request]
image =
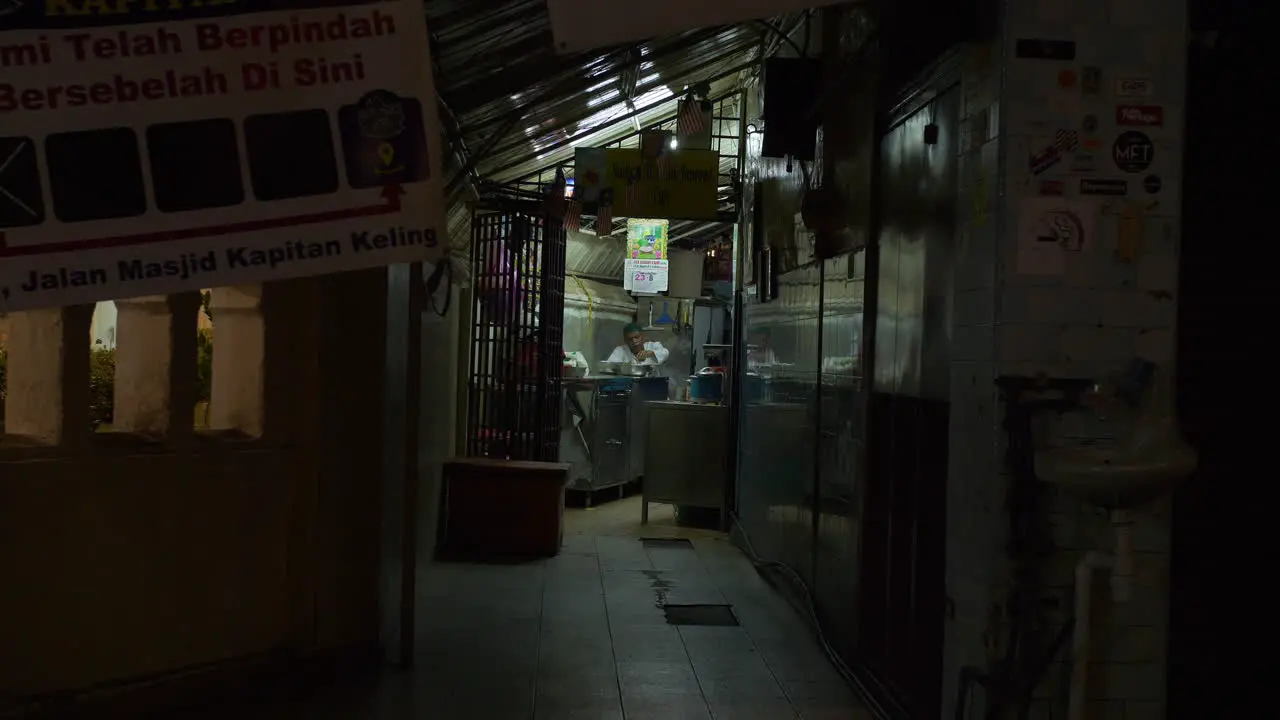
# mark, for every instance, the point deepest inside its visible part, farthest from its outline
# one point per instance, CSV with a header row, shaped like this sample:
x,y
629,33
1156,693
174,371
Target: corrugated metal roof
x,y
512,107
594,257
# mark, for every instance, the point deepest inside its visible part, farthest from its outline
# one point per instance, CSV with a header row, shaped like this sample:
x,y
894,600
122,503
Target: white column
x,y
238,354
47,375
155,365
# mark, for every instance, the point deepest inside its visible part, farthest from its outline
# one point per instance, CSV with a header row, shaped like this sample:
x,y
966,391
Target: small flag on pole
x,y
555,195
604,213
573,215
689,119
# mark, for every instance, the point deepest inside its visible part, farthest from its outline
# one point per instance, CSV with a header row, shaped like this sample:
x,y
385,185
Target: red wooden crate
x,y
502,508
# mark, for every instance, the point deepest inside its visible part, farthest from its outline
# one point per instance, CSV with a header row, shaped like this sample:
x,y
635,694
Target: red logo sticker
x,y
1067,78
1051,188
1140,115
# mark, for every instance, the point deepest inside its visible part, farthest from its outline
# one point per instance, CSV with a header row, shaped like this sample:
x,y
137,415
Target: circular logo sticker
x,y
381,115
1151,184
1133,151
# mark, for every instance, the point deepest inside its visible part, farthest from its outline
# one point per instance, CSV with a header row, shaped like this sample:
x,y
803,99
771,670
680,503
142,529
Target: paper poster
x,y
1048,229
647,239
646,269
647,276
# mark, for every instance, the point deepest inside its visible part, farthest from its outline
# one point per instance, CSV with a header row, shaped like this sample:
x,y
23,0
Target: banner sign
x,y
647,266
154,147
678,185
578,25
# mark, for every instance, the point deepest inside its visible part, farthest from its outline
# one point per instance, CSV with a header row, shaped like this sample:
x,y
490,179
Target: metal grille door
x,y
513,398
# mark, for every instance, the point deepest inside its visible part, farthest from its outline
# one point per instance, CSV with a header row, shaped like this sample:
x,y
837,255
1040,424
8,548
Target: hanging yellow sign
x,y
676,185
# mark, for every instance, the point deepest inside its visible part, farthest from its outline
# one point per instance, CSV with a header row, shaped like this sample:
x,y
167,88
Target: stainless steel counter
x,y
606,447
686,456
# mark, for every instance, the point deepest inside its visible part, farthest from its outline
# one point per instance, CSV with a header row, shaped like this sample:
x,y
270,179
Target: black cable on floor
x,y
810,609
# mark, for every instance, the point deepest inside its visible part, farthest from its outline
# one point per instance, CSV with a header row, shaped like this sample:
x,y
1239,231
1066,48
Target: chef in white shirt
x,y
759,352
634,350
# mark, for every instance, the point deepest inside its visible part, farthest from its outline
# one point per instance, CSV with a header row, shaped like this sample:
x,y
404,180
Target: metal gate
x,y
513,396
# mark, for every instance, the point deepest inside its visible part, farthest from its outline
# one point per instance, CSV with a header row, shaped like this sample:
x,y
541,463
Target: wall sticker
x,y
1043,160
1048,228
1084,162
1133,151
1035,49
1089,124
1133,87
1091,80
1152,184
1052,188
1067,79
1093,186
1140,115
1064,141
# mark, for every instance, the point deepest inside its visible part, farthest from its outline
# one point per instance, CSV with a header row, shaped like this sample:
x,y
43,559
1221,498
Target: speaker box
x,y
790,117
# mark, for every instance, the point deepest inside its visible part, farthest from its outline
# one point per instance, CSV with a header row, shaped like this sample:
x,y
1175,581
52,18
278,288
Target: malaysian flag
x,y
1066,140
604,214
690,120
573,215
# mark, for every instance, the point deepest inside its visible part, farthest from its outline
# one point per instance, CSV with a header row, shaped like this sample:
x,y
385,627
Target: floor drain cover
x,y
666,543
704,615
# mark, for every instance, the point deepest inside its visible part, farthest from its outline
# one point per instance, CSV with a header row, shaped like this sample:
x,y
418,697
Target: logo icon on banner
x,y
383,140
1133,151
1140,115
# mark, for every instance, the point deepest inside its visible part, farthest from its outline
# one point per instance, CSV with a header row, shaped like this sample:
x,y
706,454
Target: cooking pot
x,y
755,389
706,388
624,369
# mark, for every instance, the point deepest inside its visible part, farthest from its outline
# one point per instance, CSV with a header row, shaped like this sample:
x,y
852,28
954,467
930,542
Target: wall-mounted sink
x,y
1102,476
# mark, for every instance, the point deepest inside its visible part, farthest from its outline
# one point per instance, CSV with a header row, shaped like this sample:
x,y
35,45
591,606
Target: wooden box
x,y
502,508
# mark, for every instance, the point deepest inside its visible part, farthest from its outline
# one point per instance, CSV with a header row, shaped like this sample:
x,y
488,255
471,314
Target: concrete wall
x,y
1082,314
160,550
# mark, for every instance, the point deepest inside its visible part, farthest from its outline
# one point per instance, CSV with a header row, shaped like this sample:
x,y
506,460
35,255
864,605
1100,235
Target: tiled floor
x,y
583,637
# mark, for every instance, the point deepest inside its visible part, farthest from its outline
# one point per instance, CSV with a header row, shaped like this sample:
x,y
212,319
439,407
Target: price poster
x,y
646,269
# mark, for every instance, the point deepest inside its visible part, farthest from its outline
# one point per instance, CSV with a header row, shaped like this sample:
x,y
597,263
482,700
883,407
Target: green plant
x,y
102,381
204,365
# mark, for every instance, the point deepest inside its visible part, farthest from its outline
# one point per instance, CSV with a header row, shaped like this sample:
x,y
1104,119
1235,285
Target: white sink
x,y
1101,476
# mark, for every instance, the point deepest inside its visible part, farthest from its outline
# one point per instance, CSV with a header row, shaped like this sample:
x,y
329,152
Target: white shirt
x,y
761,358
623,354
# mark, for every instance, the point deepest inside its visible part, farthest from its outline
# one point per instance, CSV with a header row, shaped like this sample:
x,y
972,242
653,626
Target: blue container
x,y
707,388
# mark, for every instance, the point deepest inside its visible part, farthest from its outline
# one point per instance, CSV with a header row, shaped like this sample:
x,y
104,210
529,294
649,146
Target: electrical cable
x,y
810,609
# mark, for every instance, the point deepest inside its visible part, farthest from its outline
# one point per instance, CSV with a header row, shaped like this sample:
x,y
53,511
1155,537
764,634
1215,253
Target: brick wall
x,y
1027,308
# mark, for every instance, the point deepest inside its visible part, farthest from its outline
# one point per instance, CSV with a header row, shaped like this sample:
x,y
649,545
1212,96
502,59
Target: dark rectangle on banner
x,y
1035,49
71,14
